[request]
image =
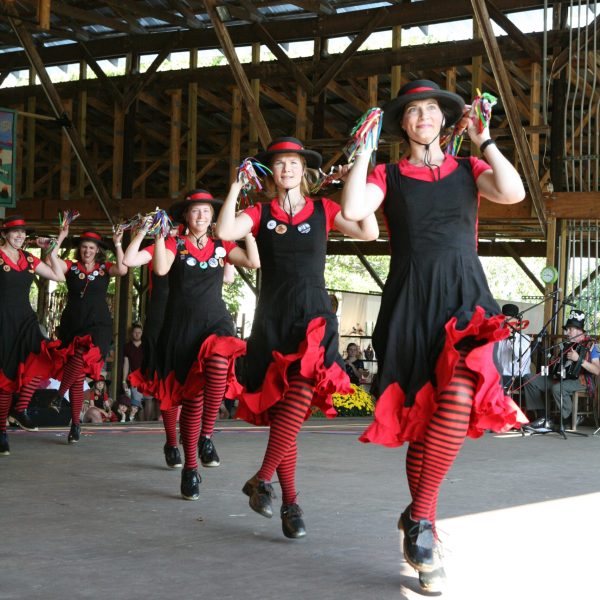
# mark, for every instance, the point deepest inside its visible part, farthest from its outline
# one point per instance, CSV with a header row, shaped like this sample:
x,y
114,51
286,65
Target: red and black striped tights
x,y
286,419
72,381
428,462
25,394
204,409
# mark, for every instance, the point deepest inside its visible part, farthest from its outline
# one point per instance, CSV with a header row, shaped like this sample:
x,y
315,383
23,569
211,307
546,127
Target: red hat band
x,y
13,223
91,235
291,146
200,196
420,89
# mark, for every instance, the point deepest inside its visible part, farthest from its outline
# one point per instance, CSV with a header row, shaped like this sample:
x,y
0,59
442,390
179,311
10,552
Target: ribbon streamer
x,y
155,223
325,180
480,113
365,134
67,217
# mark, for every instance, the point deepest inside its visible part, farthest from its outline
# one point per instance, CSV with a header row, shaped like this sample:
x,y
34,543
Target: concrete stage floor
x,y
103,519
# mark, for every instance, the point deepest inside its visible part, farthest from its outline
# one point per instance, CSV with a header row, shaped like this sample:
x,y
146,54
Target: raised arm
x,y
359,198
134,257
162,260
229,226
119,268
249,257
56,268
501,184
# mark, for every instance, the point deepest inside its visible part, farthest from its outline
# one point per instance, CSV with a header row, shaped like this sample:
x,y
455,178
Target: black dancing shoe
x,y
56,402
190,484
435,580
4,447
73,436
172,456
22,419
418,542
260,495
207,452
292,522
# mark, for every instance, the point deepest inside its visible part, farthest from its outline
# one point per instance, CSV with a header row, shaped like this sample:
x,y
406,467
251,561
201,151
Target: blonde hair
x,y
310,177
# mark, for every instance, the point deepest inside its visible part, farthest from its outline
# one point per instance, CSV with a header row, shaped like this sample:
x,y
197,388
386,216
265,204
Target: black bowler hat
x,y
92,236
452,105
15,222
177,210
283,145
576,319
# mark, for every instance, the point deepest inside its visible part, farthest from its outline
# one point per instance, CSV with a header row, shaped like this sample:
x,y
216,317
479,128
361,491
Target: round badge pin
x,y
30,259
213,262
91,277
101,273
280,229
304,228
95,273
221,262
271,224
191,261
1,262
203,264
6,268
220,252
74,268
81,276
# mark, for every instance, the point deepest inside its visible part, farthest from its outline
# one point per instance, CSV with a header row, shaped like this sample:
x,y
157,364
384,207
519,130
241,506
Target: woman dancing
x,y
85,329
292,360
438,323
197,346
26,357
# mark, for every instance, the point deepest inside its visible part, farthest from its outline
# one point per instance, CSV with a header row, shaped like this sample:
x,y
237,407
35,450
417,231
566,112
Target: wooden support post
x,y
192,123
238,72
367,264
43,14
175,144
301,115
65,157
396,84
476,77
236,134
372,83
30,141
20,152
535,106
512,112
562,275
56,104
82,127
118,140
255,85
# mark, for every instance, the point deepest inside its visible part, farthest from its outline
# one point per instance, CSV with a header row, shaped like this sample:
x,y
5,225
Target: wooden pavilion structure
x,y
127,129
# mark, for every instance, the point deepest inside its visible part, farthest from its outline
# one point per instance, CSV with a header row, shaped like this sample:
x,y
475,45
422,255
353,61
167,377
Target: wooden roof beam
x,y
238,73
111,88
147,11
514,119
514,32
192,20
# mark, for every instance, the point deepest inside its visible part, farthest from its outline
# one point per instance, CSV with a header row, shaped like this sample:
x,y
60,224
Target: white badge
x,y
271,224
220,252
191,261
213,262
304,228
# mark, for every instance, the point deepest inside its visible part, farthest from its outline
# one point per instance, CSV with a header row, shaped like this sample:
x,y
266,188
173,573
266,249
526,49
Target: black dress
x,y
196,324
436,294
24,352
86,321
144,379
293,319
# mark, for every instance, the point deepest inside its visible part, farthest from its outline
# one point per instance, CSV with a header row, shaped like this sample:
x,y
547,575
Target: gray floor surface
x,y
519,517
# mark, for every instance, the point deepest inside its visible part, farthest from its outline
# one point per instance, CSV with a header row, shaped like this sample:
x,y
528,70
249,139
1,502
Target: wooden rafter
x,y
483,20
238,72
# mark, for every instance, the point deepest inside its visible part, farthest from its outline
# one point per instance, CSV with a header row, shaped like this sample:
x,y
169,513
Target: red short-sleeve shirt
x,y
22,264
199,254
450,164
331,211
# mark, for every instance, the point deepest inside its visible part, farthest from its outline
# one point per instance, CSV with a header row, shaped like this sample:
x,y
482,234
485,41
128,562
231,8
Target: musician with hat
x,y
26,356
581,366
85,328
197,346
293,359
438,323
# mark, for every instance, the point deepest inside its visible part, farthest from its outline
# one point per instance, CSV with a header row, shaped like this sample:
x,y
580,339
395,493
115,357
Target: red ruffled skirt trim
x,y
254,406
43,364
92,357
395,423
144,385
170,392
